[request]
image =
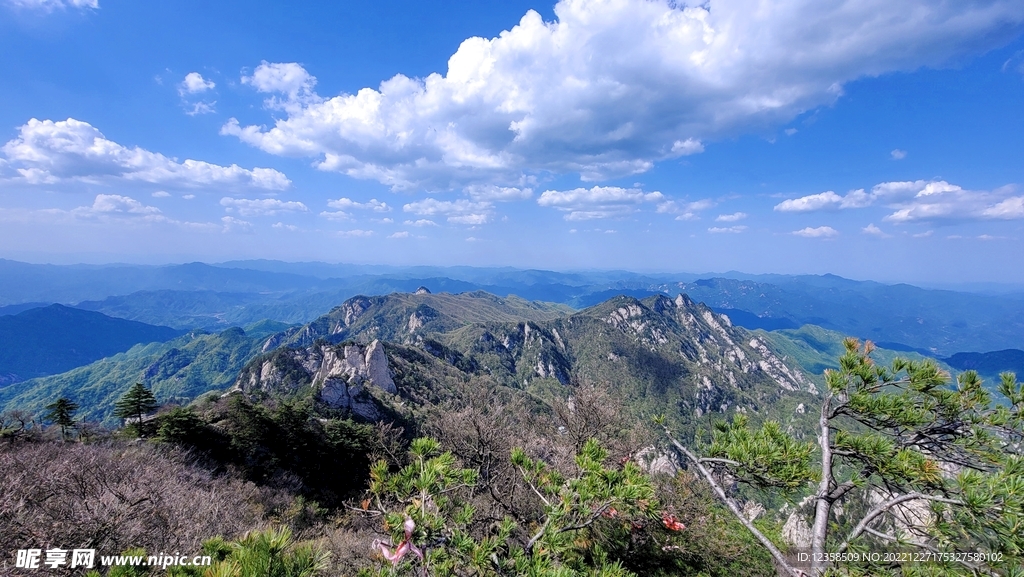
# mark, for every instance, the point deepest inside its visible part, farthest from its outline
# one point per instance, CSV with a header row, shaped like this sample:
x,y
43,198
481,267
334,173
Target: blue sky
x,y
794,136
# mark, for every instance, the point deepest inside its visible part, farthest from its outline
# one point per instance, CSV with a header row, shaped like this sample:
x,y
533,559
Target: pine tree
x,y
61,412
428,509
135,404
889,437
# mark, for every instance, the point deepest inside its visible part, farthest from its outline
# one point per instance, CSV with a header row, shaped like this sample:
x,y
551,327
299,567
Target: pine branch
x,y
775,552
883,507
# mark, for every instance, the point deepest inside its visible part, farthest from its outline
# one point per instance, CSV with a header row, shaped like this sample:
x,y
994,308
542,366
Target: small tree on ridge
x,y
134,405
62,413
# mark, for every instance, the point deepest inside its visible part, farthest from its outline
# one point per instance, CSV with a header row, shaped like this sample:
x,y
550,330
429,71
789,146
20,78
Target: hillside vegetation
x,y
53,339
178,370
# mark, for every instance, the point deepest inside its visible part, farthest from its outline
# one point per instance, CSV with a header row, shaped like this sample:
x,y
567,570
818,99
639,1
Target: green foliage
x,y
326,454
427,511
766,457
62,413
135,405
268,553
897,435
181,426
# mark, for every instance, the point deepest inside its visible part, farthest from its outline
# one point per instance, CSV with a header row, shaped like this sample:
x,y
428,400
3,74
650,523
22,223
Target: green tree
x,y
890,437
62,413
134,405
435,529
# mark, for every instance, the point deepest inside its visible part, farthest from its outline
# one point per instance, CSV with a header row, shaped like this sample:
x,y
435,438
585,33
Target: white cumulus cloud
x,y
821,201
873,230
288,79
420,222
261,206
1011,208
918,200
941,201
194,83
898,154
610,87
730,229
687,210
459,211
349,204
356,233
232,224
597,201
109,204
198,108
492,193
819,232
48,152
736,216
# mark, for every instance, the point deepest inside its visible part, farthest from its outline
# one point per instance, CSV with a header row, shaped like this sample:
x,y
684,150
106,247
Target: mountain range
x,y
178,370
190,329
663,354
214,297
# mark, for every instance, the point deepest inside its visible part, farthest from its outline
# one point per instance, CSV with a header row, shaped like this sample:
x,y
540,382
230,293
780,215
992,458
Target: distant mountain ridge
x,y
992,363
943,322
238,293
53,339
658,351
178,370
393,317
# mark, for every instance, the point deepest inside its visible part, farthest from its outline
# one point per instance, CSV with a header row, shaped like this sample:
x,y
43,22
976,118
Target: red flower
x,y
671,523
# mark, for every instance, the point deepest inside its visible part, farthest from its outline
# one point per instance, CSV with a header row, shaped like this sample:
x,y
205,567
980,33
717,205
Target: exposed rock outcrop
x,y
339,374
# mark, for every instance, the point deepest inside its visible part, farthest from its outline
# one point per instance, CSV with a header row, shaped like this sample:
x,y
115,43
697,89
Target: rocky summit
x,y
656,353
337,374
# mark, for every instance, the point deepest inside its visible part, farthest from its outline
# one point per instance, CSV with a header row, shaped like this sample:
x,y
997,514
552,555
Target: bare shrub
x,y
18,425
593,412
110,497
349,541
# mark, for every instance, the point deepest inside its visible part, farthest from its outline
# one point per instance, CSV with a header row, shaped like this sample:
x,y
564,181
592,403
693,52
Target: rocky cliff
x,y
660,354
338,375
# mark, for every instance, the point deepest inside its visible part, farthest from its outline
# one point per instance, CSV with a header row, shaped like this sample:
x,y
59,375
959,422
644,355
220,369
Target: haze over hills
x,y
238,293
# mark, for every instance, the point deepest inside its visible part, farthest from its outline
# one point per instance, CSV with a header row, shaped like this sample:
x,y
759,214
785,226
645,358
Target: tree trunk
x,y
823,502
